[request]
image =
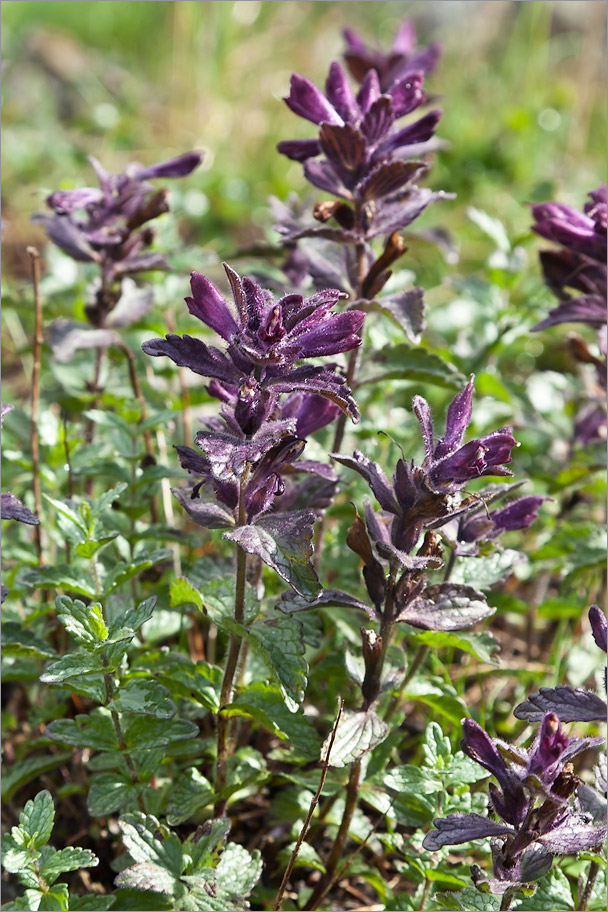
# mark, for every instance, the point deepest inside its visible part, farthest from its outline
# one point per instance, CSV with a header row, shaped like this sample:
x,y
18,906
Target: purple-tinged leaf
x,y
299,149
321,382
66,337
188,352
447,606
68,237
356,734
389,177
459,828
395,214
592,802
284,542
133,304
570,704
418,132
374,476
339,93
572,836
534,863
12,508
407,310
291,602
584,309
204,509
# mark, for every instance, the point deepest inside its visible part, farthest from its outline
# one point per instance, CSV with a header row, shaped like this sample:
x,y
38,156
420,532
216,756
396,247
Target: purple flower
x,y
576,273
399,62
363,151
448,463
422,496
102,224
535,801
483,526
265,339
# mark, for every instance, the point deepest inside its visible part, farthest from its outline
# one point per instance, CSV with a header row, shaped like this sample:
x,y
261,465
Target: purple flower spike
x,y
104,225
597,619
363,151
576,273
511,804
519,514
265,341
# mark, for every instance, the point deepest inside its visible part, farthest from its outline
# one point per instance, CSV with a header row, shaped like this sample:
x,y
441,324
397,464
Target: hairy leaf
x,y
569,703
141,695
189,794
458,828
357,733
446,607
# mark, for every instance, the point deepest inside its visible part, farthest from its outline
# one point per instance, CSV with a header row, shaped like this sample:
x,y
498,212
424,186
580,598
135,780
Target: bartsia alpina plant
x,y
403,58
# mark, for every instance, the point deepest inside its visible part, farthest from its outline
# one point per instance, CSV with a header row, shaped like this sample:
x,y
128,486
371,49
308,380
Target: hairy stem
x,y
591,877
505,903
120,737
35,440
135,384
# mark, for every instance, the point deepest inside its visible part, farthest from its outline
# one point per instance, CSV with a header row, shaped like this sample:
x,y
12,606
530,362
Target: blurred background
x,y
522,87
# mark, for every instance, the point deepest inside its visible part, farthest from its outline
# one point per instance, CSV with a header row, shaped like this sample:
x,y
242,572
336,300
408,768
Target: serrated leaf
x,y
55,900
122,573
94,730
308,857
146,840
134,618
36,819
89,548
24,771
71,665
217,593
109,792
132,900
146,875
190,793
143,695
201,682
92,903
405,309
84,622
105,500
68,859
284,542
446,607
238,872
484,572
357,733
571,705
66,509
265,704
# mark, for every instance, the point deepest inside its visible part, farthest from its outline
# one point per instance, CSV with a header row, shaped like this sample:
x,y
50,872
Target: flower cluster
x,y
265,340
360,154
270,402
403,59
538,817
104,224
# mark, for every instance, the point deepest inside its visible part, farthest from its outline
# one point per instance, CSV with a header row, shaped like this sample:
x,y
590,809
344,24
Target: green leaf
x,y
182,592
25,770
145,839
134,618
55,899
484,572
481,645
146,732
65,508
100,504
451,708
552,892
200,683
36,819
308,857
122,573
59,576
89,548
278,641
94,730
265,704
71,665
131,900
469,900
190,793
84,622
217,593
147,875
410,779
92,903
357,733
109,792
143,695
68,859
238,872
491,226
405,362
17,640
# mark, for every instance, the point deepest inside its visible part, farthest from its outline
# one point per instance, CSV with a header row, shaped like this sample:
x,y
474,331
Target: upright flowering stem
x,y
232,659
38,340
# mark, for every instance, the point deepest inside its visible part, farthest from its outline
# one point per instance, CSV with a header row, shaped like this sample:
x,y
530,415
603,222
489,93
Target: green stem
x,y
122,743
